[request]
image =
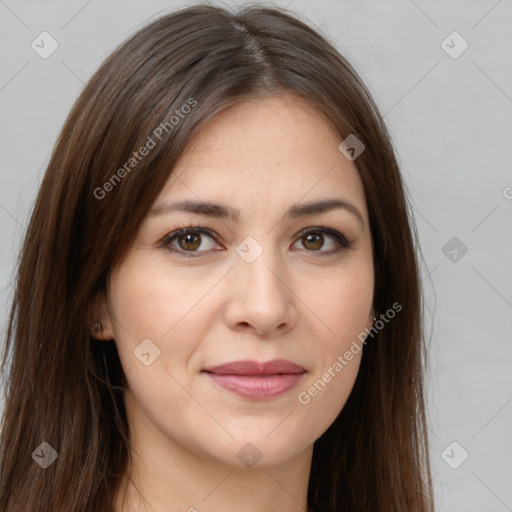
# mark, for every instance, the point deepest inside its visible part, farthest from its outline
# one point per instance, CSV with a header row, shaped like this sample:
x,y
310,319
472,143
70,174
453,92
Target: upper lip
x,y
249,367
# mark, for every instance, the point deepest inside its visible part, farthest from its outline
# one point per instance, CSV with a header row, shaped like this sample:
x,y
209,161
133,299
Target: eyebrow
x,y
220,211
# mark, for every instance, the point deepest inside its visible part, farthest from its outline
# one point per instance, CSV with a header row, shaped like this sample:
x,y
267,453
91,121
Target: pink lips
x,y
259,381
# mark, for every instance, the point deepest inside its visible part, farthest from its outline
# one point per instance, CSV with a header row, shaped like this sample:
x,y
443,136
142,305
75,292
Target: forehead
x,y
265,153
272,128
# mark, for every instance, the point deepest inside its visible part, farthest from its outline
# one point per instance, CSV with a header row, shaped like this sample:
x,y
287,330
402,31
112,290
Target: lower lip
x,y
256,386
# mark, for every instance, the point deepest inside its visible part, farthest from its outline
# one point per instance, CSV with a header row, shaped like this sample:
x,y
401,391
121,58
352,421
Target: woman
x,y
217,302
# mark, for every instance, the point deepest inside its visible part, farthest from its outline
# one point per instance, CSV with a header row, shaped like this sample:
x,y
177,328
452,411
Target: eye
x,y
186,241
313,239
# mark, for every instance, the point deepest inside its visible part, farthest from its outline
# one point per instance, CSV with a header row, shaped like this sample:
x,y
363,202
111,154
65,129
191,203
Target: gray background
x,y
450,119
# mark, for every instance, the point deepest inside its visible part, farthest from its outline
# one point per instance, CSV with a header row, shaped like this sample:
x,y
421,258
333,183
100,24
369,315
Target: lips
x,y
248,367
257,381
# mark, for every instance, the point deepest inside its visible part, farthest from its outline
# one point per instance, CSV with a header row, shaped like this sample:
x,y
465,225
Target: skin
x,y
292,302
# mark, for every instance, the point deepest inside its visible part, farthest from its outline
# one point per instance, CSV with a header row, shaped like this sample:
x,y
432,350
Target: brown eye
x,y
189,241
313,241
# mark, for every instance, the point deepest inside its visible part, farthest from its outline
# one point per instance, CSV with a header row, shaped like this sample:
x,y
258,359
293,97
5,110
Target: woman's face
x,y
267,283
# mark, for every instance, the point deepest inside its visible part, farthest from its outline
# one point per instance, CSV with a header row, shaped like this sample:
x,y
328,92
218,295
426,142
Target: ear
x,y
100,314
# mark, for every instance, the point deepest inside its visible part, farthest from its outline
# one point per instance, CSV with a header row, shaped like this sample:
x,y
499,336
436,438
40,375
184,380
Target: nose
x,y
261,297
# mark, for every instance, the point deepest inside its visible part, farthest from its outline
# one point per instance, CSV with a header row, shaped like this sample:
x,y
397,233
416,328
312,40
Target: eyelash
x,y
168,239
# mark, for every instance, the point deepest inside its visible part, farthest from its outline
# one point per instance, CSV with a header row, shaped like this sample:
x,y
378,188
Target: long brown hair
x,y
65,389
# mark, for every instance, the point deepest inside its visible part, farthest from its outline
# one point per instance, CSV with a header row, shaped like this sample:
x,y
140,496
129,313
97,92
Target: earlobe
x,y
372,316
100,323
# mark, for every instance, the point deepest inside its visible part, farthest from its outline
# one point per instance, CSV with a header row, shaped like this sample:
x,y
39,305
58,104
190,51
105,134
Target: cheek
x,y
338,352
325,395
148,302
344,306
149,299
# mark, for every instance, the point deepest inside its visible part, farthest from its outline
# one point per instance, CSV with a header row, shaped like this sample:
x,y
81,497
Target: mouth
x,y
248,367
256,380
